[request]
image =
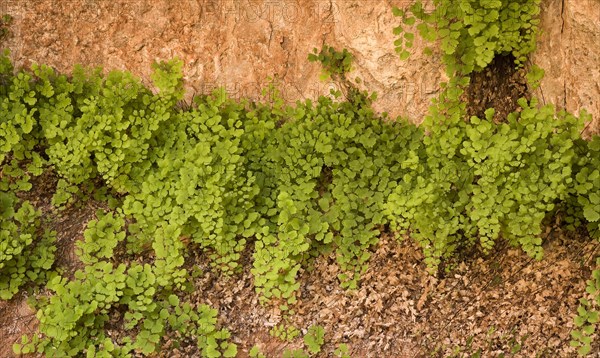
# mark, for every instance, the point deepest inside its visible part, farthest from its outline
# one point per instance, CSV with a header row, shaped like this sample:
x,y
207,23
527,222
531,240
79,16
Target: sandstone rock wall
x,y
236,44
569,51
240,44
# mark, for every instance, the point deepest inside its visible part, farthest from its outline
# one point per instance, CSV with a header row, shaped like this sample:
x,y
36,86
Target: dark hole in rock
x,y
499,85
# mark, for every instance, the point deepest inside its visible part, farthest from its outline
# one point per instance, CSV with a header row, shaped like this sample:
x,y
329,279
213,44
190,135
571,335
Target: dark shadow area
x,y
499,85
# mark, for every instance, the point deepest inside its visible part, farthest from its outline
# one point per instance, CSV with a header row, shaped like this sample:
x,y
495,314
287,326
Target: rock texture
x,y
235,44
242,45
569,52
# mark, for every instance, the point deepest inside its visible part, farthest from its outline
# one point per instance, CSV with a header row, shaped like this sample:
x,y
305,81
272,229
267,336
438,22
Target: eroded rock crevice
x,y
498,86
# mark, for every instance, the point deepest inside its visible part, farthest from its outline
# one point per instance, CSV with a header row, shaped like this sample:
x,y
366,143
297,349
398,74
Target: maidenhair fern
x,y
26,249
293,181
471,32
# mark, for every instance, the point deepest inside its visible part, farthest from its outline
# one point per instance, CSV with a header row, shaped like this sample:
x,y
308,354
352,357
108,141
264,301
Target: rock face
x,y
569,51
241,44
236,44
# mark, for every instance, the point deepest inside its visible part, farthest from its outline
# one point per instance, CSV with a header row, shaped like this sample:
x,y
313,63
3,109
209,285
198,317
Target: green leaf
x,y
409,21
591,214
593,316
230,350
588,329
584,350
397,11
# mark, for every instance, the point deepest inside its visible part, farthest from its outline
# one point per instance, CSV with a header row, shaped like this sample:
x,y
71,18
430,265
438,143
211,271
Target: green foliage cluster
x,y
19,129
336,64
26,250
588,315
285,332
91,127
342,351
101,127
101,238
303,180
332,168
135,298
478,180
482,180
313,341
583,204
471,32
198,180
5,22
